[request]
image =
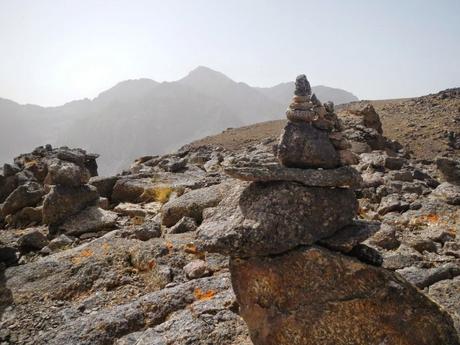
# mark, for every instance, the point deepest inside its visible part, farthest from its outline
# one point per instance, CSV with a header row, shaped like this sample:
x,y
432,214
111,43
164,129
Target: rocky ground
x,y
115,260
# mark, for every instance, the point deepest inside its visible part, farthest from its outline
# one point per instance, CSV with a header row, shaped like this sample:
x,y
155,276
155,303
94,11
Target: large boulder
x,y
192,204
304,146
66,174
28,194
7,185
91,219
104,185
62,202
312,295
262,219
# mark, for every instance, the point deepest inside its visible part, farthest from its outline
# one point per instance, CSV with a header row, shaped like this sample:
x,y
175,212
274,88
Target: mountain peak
x,y
203,74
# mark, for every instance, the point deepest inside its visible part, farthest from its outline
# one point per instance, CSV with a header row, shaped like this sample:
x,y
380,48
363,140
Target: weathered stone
x,y
25,217
350,236
392,203
449,168
263,219
447,293
340,177
295,115
348,302
104,185
62,202
31,241
196,269
302,86
347,157
26,195
448,192
7,185
138,210
394,163
91,219
338,140
303,146
192,204
423,277
186,224
66,174
147,230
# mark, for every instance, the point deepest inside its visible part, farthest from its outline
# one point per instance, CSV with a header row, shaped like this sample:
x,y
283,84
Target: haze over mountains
x,y
139,117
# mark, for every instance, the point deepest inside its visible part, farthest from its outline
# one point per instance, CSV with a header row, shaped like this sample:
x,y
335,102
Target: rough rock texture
x,y
260,219
26,195
449,168
192,204
340,177
303,146
62,202
347,302
90,219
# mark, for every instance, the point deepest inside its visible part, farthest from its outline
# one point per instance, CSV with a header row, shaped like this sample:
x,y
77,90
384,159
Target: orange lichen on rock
x,y
203,295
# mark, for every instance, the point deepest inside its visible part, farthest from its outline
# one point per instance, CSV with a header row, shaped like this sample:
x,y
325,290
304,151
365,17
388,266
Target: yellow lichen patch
x,y
159,193
203,295
30,164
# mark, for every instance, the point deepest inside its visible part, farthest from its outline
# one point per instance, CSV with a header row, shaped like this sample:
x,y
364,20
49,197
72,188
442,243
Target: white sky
x,y
54,51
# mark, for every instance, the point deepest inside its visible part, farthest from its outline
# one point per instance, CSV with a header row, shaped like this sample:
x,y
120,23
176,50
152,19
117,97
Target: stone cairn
x,y
300,271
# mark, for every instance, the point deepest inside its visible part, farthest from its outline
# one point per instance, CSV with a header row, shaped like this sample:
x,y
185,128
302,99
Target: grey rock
x,y
91,219
26,217
192,204
148,230
448,192
424,277
449,168
395,163
385,238
302,86
32,241
350,236
447,294
26,195
66,174
262,219
339,177
104,185
392,203
8,255
196,269
7,186
10,169
60,242
186,224
62,202
303,146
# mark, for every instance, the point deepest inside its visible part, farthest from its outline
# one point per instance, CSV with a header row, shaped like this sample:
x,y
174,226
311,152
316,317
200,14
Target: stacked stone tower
x,y
299,270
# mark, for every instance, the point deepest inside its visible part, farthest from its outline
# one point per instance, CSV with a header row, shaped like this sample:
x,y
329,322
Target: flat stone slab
x,y
340,177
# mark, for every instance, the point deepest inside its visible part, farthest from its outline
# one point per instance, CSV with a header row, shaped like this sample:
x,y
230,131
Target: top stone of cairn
x,y
302,86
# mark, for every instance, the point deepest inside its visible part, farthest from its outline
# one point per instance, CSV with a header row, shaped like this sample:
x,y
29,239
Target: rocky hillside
x,y
136,258
139,117
426,126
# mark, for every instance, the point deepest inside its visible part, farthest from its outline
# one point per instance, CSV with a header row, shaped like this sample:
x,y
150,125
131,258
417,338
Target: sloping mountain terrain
x,y
139,117
117,259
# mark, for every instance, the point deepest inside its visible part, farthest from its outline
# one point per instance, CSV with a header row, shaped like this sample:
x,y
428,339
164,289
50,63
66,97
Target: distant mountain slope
x,y
137,117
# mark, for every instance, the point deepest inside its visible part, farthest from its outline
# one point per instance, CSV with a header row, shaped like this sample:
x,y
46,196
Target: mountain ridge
x,y
143,116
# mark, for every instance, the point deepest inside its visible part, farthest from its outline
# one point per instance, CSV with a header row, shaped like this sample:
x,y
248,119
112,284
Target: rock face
x,y
300,268
314,296
263,219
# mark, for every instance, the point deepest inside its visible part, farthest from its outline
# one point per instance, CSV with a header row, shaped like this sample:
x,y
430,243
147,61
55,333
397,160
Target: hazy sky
x,y
54,51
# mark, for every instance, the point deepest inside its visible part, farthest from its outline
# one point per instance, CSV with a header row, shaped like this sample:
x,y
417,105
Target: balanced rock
x,y
66,174
304,146
340,177
264,219
312,295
